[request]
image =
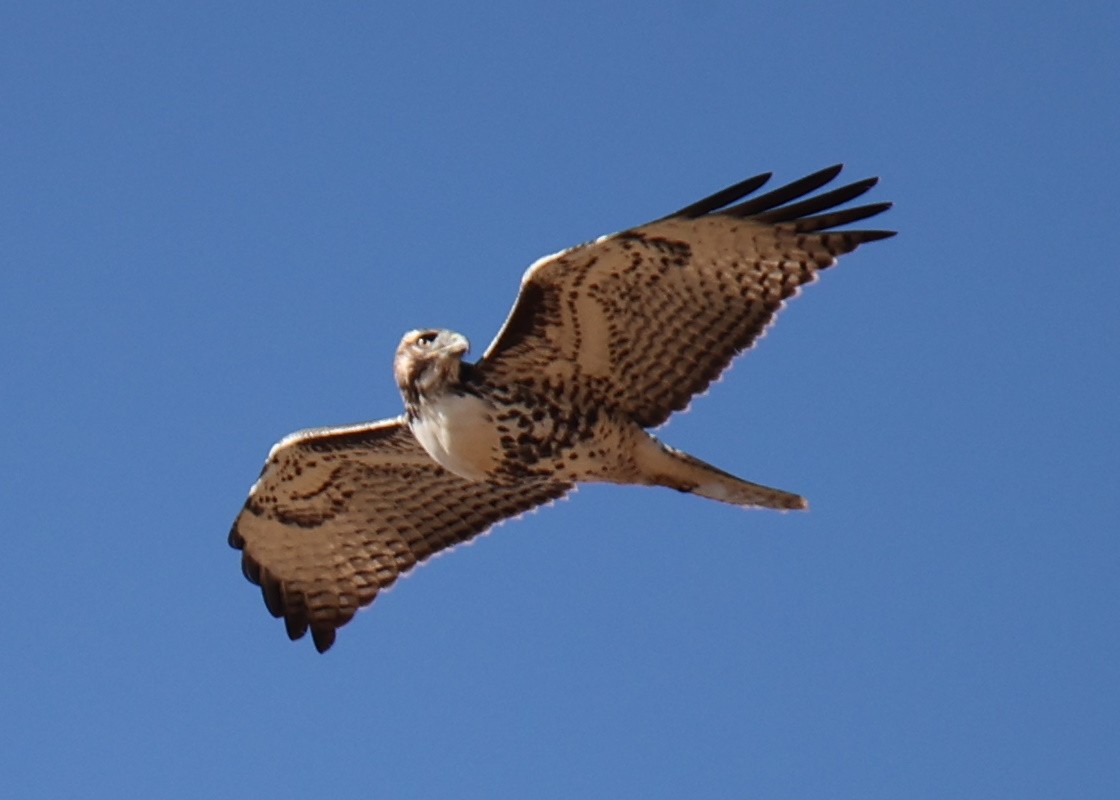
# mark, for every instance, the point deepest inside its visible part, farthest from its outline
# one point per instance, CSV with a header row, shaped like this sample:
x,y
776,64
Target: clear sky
x,y
217,219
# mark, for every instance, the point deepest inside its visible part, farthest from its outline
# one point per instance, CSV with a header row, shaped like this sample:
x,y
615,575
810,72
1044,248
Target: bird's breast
x,y
458,432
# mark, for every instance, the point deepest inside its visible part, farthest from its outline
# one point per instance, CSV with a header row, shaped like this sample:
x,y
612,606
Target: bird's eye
x,y
426,338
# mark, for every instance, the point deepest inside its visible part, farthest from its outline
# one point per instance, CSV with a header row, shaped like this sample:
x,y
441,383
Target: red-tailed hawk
x,y
604,342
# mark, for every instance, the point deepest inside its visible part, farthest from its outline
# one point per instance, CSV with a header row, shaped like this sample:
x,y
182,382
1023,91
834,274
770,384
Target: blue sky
x,y
217,220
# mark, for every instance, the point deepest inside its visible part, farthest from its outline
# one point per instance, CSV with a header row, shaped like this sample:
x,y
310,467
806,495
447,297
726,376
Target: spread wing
x,y
647,318
339,513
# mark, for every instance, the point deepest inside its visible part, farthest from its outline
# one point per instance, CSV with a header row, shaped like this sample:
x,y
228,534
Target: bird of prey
x,y
604,342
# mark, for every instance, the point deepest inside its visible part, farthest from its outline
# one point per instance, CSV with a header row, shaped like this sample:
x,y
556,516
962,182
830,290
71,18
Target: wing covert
x,y
647,318
340,513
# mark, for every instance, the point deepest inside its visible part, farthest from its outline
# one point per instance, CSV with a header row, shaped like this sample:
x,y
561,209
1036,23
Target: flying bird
x,y
604,342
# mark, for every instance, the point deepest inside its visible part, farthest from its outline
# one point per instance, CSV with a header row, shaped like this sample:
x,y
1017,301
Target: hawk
x,y
604,342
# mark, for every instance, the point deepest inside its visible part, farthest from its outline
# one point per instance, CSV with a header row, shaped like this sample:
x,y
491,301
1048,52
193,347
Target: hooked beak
x,y
457,344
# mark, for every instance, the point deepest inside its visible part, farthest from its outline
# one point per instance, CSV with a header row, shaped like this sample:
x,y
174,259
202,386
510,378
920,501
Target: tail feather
x,y
683,472
729,489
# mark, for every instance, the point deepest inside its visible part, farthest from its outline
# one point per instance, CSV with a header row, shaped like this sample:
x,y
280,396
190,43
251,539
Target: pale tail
x,y
670,467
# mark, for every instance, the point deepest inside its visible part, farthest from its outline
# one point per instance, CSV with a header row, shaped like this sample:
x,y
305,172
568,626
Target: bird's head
x,y
427,361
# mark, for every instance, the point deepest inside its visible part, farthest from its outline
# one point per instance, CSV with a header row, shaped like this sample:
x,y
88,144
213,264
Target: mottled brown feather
x,y
339,514
647,318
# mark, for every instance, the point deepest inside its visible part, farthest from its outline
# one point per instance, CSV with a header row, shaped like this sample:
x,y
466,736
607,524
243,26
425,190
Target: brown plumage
x,y
605,340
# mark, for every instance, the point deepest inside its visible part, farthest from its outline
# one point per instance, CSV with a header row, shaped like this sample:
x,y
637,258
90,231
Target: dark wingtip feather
x,y
323,638
250,569
295,626
820,202
273,594
722,198
784,194
874,236
777,206
834,219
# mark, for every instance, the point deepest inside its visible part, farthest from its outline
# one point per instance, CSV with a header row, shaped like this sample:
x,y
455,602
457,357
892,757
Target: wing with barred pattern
x,y
340,513
647,318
